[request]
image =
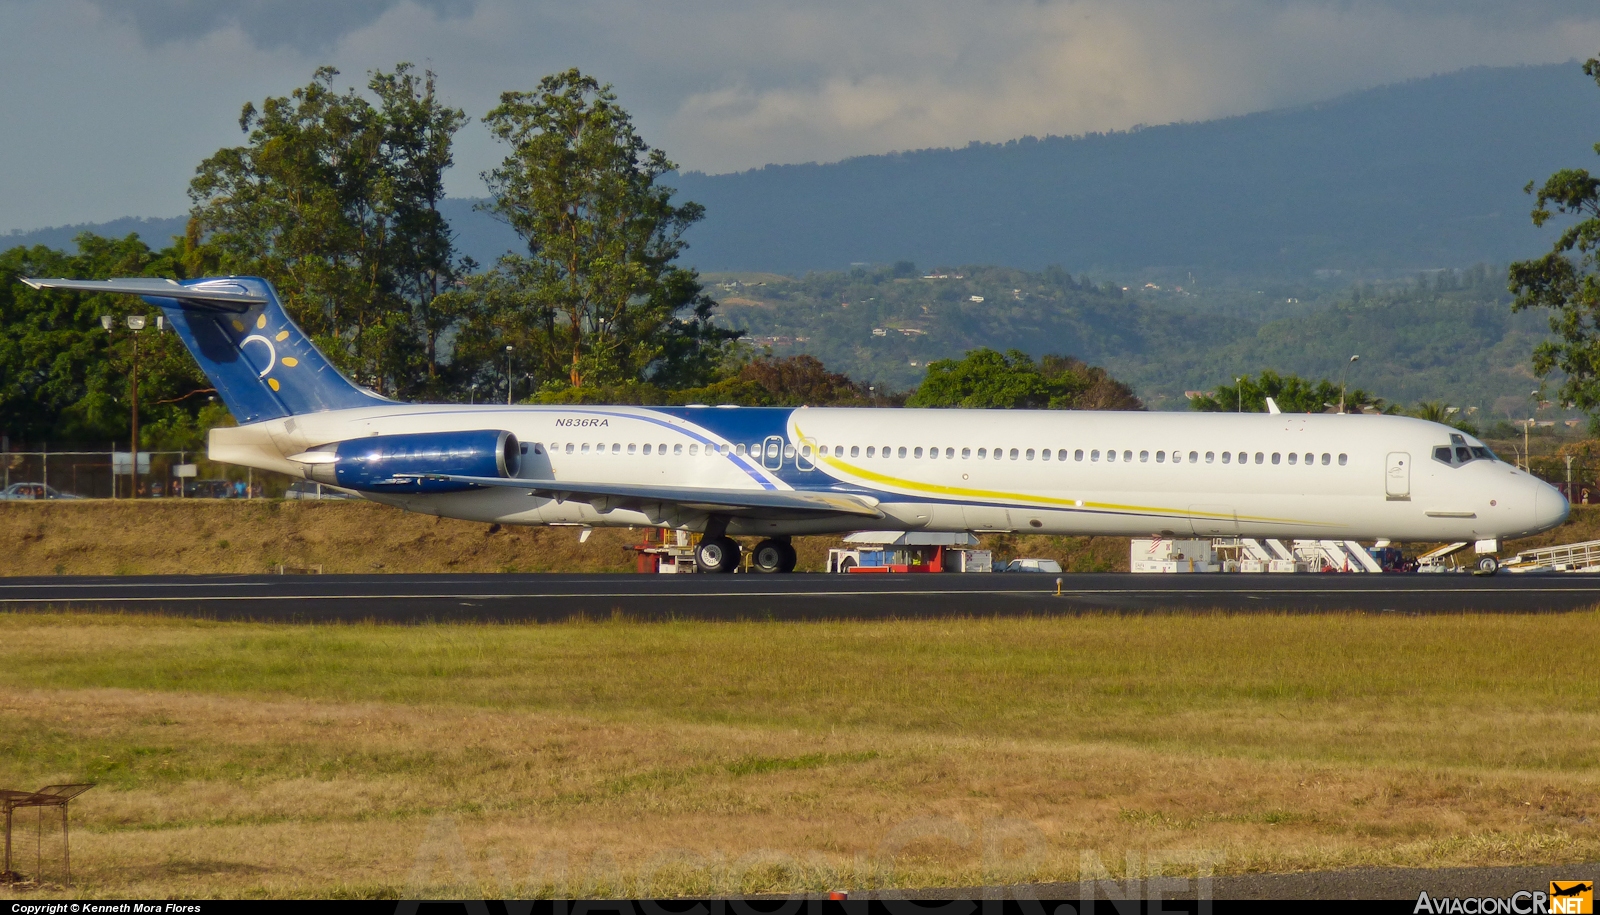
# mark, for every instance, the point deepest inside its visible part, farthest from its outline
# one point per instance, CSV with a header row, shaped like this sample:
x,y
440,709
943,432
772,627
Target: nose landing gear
x,y
1488,565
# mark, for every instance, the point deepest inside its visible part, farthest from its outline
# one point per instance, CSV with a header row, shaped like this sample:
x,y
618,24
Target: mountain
x,y
1421,174
1417,175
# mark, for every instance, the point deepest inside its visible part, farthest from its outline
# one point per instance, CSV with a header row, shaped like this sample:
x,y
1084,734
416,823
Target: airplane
x,y
775,473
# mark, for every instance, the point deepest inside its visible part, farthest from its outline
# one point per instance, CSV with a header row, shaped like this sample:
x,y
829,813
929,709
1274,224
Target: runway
x,y
549,598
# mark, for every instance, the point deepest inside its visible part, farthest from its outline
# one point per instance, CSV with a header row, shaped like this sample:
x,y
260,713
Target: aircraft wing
x,y
731,501
166,289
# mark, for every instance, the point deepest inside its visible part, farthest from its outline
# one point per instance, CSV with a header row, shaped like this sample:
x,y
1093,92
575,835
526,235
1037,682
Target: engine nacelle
x,y
372,464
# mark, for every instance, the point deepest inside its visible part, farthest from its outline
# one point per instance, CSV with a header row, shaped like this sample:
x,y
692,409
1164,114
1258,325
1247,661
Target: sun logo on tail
x,y
272,350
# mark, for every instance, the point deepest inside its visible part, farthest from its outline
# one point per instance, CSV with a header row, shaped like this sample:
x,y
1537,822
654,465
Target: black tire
x,y
1488,565
790,558
769,556
720,555
846,564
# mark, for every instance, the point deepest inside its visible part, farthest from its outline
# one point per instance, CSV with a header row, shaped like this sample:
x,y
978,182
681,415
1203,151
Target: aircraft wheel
x,y
773,556
790,558
719,554
1488,565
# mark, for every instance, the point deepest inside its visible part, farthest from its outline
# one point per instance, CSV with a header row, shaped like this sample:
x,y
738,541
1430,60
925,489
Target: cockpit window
x,y
1461,453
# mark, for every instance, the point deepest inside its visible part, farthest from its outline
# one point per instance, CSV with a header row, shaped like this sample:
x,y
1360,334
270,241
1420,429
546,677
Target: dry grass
x,y
201,536
242,759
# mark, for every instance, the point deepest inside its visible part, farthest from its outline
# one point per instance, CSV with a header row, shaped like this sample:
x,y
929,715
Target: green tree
x,y
335,200
1291,393
596,299
63,378
984,378
1567,281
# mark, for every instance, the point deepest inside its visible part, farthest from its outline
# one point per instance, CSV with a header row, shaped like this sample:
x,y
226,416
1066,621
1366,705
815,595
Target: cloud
x,y
269,24
720,85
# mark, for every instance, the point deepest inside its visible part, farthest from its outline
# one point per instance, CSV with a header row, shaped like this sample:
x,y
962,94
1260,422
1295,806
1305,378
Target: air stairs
x,y
1306,555
1570,557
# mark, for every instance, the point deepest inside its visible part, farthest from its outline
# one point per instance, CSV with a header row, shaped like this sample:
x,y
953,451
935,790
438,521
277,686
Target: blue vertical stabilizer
x,y
261,363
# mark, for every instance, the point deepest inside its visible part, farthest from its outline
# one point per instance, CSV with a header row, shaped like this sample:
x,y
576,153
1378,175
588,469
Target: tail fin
x,y
262,365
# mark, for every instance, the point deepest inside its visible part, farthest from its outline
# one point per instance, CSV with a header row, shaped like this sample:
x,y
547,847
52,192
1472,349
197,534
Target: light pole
x,y
1342,377
508,374
1532,415
472,397
1238,392
135,324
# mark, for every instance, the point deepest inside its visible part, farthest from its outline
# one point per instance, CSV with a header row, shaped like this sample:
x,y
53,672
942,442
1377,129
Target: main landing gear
x,y
718,553
774,556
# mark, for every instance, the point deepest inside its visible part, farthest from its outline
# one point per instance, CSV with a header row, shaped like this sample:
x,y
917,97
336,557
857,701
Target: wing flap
x,y
621,494
230,298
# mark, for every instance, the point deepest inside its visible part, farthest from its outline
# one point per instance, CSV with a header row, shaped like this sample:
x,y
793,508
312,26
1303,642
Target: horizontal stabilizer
x,y
225,296
688,496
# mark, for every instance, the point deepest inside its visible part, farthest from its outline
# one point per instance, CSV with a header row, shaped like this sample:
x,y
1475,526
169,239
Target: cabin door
x,y
1397,477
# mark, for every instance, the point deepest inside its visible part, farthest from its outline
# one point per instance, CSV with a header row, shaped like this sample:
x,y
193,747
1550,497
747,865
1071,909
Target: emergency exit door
x,y
1397,477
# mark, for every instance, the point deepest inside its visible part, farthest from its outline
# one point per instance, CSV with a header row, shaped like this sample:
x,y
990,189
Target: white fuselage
x,y
1051,472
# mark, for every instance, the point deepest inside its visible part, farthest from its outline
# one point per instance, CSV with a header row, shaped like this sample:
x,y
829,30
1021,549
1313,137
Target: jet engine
x,y
376,463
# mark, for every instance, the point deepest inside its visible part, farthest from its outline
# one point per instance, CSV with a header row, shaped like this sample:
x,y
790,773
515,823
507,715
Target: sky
x,y
108,105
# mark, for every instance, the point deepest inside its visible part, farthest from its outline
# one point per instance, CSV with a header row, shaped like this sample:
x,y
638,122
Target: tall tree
x,y
1567,281
984,378
62,377
596,299
335,200
1291,393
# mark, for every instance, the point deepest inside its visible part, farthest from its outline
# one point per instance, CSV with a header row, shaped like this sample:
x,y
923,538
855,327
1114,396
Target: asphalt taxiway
x,y
533,598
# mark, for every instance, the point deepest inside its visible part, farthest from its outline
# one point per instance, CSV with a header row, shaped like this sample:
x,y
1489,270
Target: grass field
x,y
596,758
249,537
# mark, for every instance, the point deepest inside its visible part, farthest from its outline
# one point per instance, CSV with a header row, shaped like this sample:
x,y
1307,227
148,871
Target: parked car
x,y
210,489
1033,565
31,491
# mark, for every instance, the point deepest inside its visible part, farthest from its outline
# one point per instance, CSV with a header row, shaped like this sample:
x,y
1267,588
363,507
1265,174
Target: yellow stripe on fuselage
x,y
1027,499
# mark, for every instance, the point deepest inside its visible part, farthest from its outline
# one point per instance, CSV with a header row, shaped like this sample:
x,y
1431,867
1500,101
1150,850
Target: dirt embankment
x,y
198,536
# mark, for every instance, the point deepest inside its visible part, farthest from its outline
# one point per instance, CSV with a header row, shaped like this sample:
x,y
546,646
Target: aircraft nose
x,y
1550,507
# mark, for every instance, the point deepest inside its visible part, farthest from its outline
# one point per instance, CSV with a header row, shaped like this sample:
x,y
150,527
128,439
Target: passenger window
x,y
1062,454
1208,456
1127,455
1275,457
585,447
1044,454
632,448
646,449
1028,454
1344,459
695,449
677,449
805,450
569,448
1293,458
1226,457
1259,457
1310,459
917,454
949,454
1094,455
855,450
902,451
740,449
1326,459
1077,455
1144,457
1013,454
983,453
1111,454
1161,457
1194,457
788,451
870,451
966,453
